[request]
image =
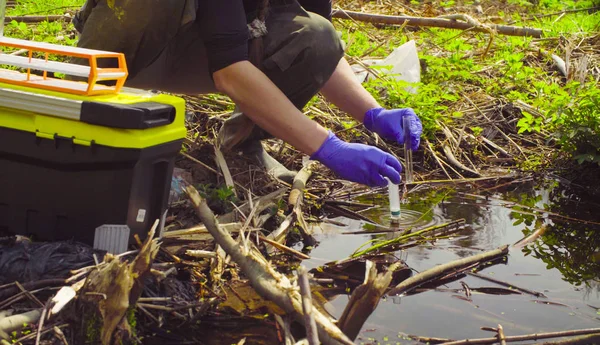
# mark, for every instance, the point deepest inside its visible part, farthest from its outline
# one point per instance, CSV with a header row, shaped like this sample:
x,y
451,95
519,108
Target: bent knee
x,y
325,49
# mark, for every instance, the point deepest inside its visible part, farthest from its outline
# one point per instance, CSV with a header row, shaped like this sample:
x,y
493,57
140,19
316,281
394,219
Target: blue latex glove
x,y
389,125
358,162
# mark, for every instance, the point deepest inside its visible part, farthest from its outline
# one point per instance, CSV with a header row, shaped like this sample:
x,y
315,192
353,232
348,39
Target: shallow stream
x,y
563,264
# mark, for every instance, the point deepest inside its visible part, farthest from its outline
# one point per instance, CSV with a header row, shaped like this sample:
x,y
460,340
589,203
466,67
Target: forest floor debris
x,y
483,122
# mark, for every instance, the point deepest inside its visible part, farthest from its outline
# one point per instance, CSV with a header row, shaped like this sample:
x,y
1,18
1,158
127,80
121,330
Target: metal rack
x,y
21,69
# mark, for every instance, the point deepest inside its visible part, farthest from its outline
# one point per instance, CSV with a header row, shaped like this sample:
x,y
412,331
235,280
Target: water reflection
x,y
564,263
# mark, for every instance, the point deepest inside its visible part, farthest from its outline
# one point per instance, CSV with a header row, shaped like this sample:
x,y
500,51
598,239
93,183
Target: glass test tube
x,y
394,195
407,151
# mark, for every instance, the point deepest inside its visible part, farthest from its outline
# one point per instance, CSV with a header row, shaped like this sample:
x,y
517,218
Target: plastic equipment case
x,y
82,161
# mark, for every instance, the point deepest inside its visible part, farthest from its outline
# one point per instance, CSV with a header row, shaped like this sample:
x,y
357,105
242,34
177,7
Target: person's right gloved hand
x,y
358,162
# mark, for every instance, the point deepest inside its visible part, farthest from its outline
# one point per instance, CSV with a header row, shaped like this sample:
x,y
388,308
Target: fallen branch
x,y
17,322
267,282
580,340
365,299
499,282
36,19
442,270
480,341
457,164
434,22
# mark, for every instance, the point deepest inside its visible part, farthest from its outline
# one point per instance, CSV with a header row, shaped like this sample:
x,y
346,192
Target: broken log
x,y
266,281
365,298
445,269
434,22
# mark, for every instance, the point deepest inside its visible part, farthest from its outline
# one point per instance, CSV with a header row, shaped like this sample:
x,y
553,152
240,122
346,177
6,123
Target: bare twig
x,y
284,248
311,326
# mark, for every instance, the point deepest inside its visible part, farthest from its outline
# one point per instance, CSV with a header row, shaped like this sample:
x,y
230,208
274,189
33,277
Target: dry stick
x,y
311,326
36,19
41,325
299,184
439,270
580,340
284,248
279,234
456,163
365,298
481,341
436,158
434,22
499,282
268,283
221,163
428,340
531,238
501,335
296,197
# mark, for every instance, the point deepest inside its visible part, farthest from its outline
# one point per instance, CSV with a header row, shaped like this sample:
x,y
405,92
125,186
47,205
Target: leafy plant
x,y
219,198
578,131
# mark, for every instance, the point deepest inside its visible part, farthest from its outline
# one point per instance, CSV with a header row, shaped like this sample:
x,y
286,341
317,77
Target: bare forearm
x,y
268,107
343,90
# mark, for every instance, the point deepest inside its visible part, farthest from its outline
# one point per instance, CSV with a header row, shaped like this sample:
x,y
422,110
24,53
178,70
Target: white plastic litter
x,y
403,62
62,298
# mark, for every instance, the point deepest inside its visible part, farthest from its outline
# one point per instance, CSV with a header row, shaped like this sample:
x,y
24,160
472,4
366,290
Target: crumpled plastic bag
x,y
31,261
404,62
180,180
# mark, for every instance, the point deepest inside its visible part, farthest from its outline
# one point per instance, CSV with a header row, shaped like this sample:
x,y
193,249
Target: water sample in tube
x,y
394,195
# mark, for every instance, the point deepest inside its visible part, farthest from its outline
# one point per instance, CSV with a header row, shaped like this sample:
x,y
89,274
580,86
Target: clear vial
x,y
394,196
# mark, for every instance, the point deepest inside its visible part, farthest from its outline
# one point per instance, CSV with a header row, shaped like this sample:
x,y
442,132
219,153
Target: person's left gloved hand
x,y
389,125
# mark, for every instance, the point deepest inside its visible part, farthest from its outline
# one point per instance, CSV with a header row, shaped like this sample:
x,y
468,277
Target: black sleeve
x,y
321,7
224,32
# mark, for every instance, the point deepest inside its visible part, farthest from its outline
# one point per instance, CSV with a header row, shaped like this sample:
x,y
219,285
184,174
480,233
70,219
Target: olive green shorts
x,y
301,49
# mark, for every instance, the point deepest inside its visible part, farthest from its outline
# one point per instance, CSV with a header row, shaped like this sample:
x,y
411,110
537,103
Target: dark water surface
x,y
564,263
